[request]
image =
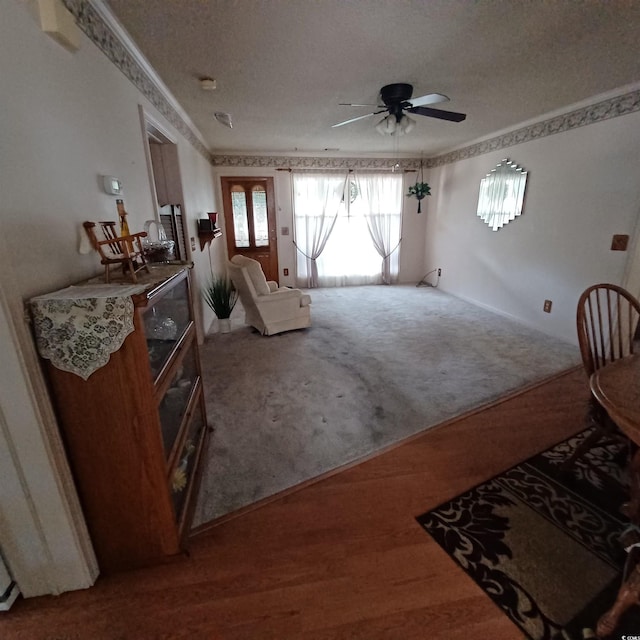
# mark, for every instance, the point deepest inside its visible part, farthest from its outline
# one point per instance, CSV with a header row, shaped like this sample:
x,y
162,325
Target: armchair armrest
x,y
273,286
279,295
282,304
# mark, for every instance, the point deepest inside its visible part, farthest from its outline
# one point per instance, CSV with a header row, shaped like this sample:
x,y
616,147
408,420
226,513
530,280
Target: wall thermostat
x,y
112,185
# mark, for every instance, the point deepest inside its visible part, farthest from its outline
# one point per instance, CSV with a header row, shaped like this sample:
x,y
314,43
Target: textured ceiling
x,y
283,66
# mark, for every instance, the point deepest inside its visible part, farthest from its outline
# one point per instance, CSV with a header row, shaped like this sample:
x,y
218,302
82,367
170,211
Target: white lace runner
x,y
78,328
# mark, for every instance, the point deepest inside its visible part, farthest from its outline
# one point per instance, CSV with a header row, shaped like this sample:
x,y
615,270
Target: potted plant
x,y
419,190
221,296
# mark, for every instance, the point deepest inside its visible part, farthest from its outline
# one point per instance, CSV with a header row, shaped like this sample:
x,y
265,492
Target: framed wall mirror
x,y
502,194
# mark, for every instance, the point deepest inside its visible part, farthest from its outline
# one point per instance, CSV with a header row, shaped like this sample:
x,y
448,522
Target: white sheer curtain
x,y
346,245
317,199
380,202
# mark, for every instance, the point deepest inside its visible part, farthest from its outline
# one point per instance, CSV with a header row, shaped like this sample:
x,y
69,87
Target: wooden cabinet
x,y
136,430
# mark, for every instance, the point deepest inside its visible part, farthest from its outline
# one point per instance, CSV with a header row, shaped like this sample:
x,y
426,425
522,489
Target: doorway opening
x,y
166,185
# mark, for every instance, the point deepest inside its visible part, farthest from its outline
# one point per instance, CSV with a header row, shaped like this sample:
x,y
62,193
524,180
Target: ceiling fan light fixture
x,y
397,99
386,126
391,126
407,124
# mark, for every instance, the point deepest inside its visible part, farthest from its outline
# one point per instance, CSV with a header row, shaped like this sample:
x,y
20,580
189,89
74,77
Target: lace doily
x,y
78,328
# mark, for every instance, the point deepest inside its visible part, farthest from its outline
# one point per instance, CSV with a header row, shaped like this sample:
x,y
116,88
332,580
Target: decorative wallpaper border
x,y
99,32
604,110
301,162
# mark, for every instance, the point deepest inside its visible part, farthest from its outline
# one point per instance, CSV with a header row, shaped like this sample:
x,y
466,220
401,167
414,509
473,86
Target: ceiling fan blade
x,y
452,116
430,98
353,104
368,115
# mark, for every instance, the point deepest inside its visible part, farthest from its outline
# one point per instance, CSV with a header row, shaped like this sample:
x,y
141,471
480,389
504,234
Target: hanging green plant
x,y
420,189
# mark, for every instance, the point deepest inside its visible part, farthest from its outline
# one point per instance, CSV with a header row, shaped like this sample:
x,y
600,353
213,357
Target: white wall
x,y
413,266
583,187
66,118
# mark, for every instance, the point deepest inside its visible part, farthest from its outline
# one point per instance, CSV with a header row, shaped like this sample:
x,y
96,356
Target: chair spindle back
x,y
607,323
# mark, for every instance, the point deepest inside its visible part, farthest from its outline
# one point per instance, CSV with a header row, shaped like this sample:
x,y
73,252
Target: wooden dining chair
x,y
126,251
607,323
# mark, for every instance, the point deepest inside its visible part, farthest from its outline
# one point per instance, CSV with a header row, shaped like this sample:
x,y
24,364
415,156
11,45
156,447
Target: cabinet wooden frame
x,y
112,432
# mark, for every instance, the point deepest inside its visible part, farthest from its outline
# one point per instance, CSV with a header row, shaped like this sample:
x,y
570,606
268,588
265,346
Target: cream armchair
x,y
268,308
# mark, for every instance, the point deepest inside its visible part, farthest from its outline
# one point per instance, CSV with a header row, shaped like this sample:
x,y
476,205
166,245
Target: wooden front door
x,y
250,221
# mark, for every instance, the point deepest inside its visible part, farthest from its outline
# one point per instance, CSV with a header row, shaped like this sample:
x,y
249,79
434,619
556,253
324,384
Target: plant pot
x,y
224,325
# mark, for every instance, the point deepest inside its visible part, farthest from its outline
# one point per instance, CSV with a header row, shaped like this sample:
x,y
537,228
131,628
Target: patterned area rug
x,y
544,543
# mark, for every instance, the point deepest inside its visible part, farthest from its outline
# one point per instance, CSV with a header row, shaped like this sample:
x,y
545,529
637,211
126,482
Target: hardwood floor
x,y
341,558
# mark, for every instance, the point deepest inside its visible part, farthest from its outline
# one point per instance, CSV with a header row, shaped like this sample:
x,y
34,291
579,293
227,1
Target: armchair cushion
x,y
254,270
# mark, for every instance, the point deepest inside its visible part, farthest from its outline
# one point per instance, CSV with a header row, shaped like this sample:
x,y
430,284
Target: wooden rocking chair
x,y
126,251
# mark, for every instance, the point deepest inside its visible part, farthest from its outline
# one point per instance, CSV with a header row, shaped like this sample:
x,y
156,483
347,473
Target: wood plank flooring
x,y
341,558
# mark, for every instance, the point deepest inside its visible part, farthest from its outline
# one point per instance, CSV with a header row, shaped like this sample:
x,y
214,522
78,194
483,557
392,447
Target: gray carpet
x,y
377,365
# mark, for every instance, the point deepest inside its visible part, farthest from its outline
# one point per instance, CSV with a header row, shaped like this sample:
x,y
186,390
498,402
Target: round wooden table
x,y
617,389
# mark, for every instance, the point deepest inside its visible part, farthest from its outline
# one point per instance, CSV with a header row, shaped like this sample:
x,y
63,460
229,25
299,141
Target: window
x,y
347,228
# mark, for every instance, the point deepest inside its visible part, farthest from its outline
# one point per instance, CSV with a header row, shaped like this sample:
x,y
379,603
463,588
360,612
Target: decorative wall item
x,y
502,194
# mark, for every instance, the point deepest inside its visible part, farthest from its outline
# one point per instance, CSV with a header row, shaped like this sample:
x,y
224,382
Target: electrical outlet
x,y
193,244
547,306
439,272
286,272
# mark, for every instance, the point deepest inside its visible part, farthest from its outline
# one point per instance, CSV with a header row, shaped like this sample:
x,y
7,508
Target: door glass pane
x,y
240,223
260,223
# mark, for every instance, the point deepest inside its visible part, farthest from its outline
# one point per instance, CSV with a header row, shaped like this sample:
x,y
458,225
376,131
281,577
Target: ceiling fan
x,y
397,102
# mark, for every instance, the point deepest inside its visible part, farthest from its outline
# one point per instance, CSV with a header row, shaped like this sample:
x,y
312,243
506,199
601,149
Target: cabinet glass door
x,y
181,478
165,322
174,404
